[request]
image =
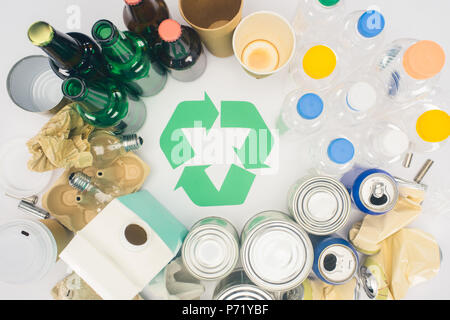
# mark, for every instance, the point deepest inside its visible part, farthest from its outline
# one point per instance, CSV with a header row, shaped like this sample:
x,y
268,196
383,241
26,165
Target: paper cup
x,y
270,32
29,249
214,21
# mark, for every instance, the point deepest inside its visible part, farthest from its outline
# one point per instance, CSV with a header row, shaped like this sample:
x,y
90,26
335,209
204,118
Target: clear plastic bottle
x,y
361,36
316,16
316,65
358,99
410,68
427,124
384,144
107,147
333,154
303,113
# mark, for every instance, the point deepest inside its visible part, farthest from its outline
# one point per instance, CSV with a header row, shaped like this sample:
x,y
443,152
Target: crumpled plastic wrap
x,y
61,143
74,288
367,235
174,283
323,291
406,259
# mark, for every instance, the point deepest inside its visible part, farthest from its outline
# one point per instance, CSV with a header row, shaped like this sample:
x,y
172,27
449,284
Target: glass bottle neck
x,y
178,49
120,49
91,98
64,50
143,11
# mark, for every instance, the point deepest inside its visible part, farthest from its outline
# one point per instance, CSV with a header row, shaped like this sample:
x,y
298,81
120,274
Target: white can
x,y
321,205
276,253
211,249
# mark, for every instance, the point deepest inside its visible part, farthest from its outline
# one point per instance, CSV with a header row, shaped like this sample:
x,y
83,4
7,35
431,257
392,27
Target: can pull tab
x,y
379,196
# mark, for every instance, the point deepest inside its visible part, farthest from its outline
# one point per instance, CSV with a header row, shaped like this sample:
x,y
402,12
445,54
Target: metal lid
x,y
277,255
321,205
338,263
210,252
244,292
378,192
368,282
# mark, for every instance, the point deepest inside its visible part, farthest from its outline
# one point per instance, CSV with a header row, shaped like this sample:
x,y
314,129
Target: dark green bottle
x,y
106,105
71,55
128,58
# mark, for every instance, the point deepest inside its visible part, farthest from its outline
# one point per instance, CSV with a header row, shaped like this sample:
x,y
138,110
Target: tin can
x,y
211,249
321,205
237,286
276,253
302,292
335,260
373,191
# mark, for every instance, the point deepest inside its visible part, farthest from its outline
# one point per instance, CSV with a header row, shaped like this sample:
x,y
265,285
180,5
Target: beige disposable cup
x,y
214,21
265,26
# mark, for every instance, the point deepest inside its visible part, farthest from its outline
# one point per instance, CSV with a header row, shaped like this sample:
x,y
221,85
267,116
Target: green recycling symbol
x,y
252,154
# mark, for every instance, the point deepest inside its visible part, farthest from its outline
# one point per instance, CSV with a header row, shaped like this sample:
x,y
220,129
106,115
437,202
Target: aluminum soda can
x,y
276,253
211,249
373,191
335,260
321,205
237,286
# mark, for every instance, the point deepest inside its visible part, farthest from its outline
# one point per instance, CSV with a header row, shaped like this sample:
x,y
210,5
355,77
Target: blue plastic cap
x,y
371,24
310,106
341,151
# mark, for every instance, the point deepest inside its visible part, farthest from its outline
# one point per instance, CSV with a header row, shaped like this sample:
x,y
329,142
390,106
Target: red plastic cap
x,y
133,2
169,30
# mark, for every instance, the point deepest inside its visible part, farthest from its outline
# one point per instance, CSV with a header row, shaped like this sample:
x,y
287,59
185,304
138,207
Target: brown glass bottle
x,y
144,16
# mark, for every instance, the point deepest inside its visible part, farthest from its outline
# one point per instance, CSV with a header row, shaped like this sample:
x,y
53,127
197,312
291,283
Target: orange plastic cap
x,y
133,2
424,59
169,30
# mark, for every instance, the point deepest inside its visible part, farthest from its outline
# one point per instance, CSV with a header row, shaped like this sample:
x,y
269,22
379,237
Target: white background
x,y
223,80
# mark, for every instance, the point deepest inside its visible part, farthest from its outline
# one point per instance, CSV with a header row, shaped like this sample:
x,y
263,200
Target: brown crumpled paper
x,y
61,143
322,291
74,288
406,259
367,235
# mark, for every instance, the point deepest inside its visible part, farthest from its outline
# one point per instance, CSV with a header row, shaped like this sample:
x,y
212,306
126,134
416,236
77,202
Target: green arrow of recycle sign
x,y
194,179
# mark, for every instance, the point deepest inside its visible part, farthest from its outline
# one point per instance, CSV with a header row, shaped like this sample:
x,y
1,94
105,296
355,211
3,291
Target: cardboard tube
x,y
214,21
269,27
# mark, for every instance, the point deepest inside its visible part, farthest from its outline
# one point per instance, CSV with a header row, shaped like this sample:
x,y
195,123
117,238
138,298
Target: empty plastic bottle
x,y
314,16
334,154
303,113
358,99
316,66
106,147
383,144
361,36
410,68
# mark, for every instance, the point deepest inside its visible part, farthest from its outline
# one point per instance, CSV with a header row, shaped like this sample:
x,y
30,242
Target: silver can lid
x,y
244,292
210,252
321,205
379,192
277,255
337,263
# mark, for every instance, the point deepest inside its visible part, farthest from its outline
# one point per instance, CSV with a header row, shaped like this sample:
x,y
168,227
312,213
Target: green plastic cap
x,y
329,3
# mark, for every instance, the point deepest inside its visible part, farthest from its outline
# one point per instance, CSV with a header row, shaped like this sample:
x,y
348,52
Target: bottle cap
x,y
169,30
424,59
133,2
433,126
310,106
394,142
40,33
319,62
329,3
341,151
361,96
371,24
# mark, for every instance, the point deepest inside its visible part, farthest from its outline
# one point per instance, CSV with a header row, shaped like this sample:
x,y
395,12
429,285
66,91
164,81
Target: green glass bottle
x,y
106,105
128,58
71,55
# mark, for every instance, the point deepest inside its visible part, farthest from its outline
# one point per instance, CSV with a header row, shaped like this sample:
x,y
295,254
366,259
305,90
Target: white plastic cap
x,y
361,96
